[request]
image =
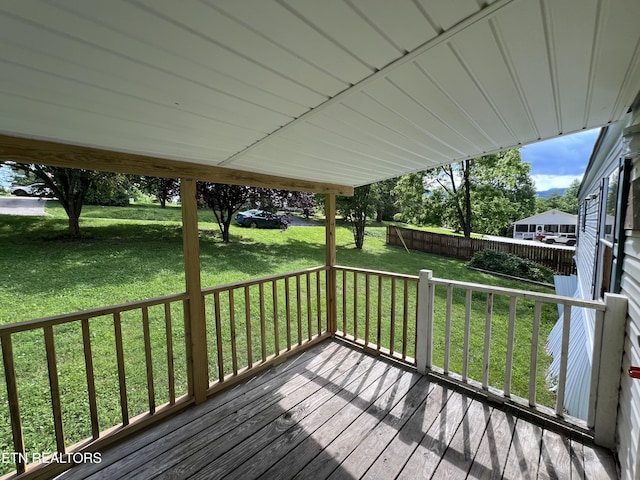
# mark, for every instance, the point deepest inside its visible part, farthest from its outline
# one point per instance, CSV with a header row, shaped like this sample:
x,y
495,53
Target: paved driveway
x,y
22,206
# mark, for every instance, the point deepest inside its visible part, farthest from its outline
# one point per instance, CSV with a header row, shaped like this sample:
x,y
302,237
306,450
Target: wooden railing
x,y
377,310
130,365
134,353
477,335
255,323
560,260
111,371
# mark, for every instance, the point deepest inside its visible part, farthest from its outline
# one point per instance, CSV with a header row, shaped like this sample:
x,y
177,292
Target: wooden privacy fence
x,y
560,260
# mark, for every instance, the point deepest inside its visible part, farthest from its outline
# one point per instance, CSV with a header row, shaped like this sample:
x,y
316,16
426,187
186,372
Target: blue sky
x,y
556,163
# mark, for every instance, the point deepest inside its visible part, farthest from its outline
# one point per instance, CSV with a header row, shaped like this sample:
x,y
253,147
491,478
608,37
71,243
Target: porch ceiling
x,y
340,91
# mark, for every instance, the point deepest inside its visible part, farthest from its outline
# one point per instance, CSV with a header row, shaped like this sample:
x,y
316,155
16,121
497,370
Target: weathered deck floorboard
x,y
336,412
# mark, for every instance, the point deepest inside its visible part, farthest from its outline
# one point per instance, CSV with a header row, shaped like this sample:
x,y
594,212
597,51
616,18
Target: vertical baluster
x,y
52,368
309,327
276,326
510,340
344,302
232,325
367,308
218,321
379,335
91,384
487,341
533,365
287,302
405,318
122,380
467,335
263,322
171,377
14,404
148,359
447,329
247,318
319,302
392,320
299,309
564,355
355,306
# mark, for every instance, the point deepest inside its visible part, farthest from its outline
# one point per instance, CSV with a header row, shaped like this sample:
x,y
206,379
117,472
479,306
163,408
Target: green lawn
x,y
135,253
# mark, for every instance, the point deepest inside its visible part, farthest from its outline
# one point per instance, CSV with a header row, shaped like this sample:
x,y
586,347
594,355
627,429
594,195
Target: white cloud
x,y
545,182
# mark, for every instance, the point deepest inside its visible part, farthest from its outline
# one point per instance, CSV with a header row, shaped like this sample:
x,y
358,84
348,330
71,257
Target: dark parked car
x,y
260,219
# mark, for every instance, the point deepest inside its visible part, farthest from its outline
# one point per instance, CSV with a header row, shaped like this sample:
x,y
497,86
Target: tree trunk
x,y
467,200
74,226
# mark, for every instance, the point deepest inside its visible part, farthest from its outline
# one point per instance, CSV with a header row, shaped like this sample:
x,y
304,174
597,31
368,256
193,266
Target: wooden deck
x,y
337,412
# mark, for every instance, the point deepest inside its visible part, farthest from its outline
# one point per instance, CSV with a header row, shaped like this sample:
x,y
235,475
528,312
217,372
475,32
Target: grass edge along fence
x,y
560,260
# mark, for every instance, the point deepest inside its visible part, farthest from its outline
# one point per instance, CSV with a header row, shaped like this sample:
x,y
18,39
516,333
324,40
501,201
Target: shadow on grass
x,y
39,259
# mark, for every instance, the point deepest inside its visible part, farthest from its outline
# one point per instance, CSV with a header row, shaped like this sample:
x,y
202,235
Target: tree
x,y
224,200
485,194
383,199
69,185
567,202
162,188
355,210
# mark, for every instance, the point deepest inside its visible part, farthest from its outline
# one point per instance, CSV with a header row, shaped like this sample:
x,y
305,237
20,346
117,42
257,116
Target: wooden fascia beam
x,y
27,150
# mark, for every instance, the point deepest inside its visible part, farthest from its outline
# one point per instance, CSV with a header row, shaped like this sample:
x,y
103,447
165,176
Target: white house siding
x,y
628,426
628,418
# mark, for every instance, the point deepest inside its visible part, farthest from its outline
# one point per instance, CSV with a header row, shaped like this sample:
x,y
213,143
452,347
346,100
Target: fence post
x,y
608,346
424,328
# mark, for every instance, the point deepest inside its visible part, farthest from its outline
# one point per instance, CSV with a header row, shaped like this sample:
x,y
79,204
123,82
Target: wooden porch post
x,y
608,348
330,250
195,322
424,328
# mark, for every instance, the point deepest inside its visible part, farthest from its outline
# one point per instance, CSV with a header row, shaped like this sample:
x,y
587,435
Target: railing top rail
x,y
92,313
525,294
377,272
258,281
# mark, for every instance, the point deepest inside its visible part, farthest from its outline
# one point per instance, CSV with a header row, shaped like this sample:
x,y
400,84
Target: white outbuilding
x,y
551,221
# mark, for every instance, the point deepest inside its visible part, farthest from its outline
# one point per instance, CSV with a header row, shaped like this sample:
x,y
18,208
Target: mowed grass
x,y
135,253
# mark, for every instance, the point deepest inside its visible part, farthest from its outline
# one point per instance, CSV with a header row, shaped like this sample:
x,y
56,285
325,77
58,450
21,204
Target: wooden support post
x,y
195,314
424,330
330,246
608,346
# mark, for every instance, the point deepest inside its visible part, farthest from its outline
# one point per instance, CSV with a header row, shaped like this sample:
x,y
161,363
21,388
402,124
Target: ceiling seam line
x,y
430,112
126,95
506,56
483,91
332,40
377,29
442,90
600,19
408,120
224,47
201,65
627,79
547,26
381,159
138,62
277,44
491,10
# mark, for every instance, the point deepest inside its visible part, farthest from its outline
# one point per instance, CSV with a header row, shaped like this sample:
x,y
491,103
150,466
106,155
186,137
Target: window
x,y
611,231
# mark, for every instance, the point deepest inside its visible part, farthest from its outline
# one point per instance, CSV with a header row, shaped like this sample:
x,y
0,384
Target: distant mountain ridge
x,y
551,191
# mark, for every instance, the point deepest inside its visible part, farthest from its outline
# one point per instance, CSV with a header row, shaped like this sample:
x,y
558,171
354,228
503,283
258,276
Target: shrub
x,y
106,198
510,264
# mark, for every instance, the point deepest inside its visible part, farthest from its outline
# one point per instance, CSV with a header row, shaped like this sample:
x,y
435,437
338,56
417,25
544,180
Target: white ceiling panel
x,y
345,92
